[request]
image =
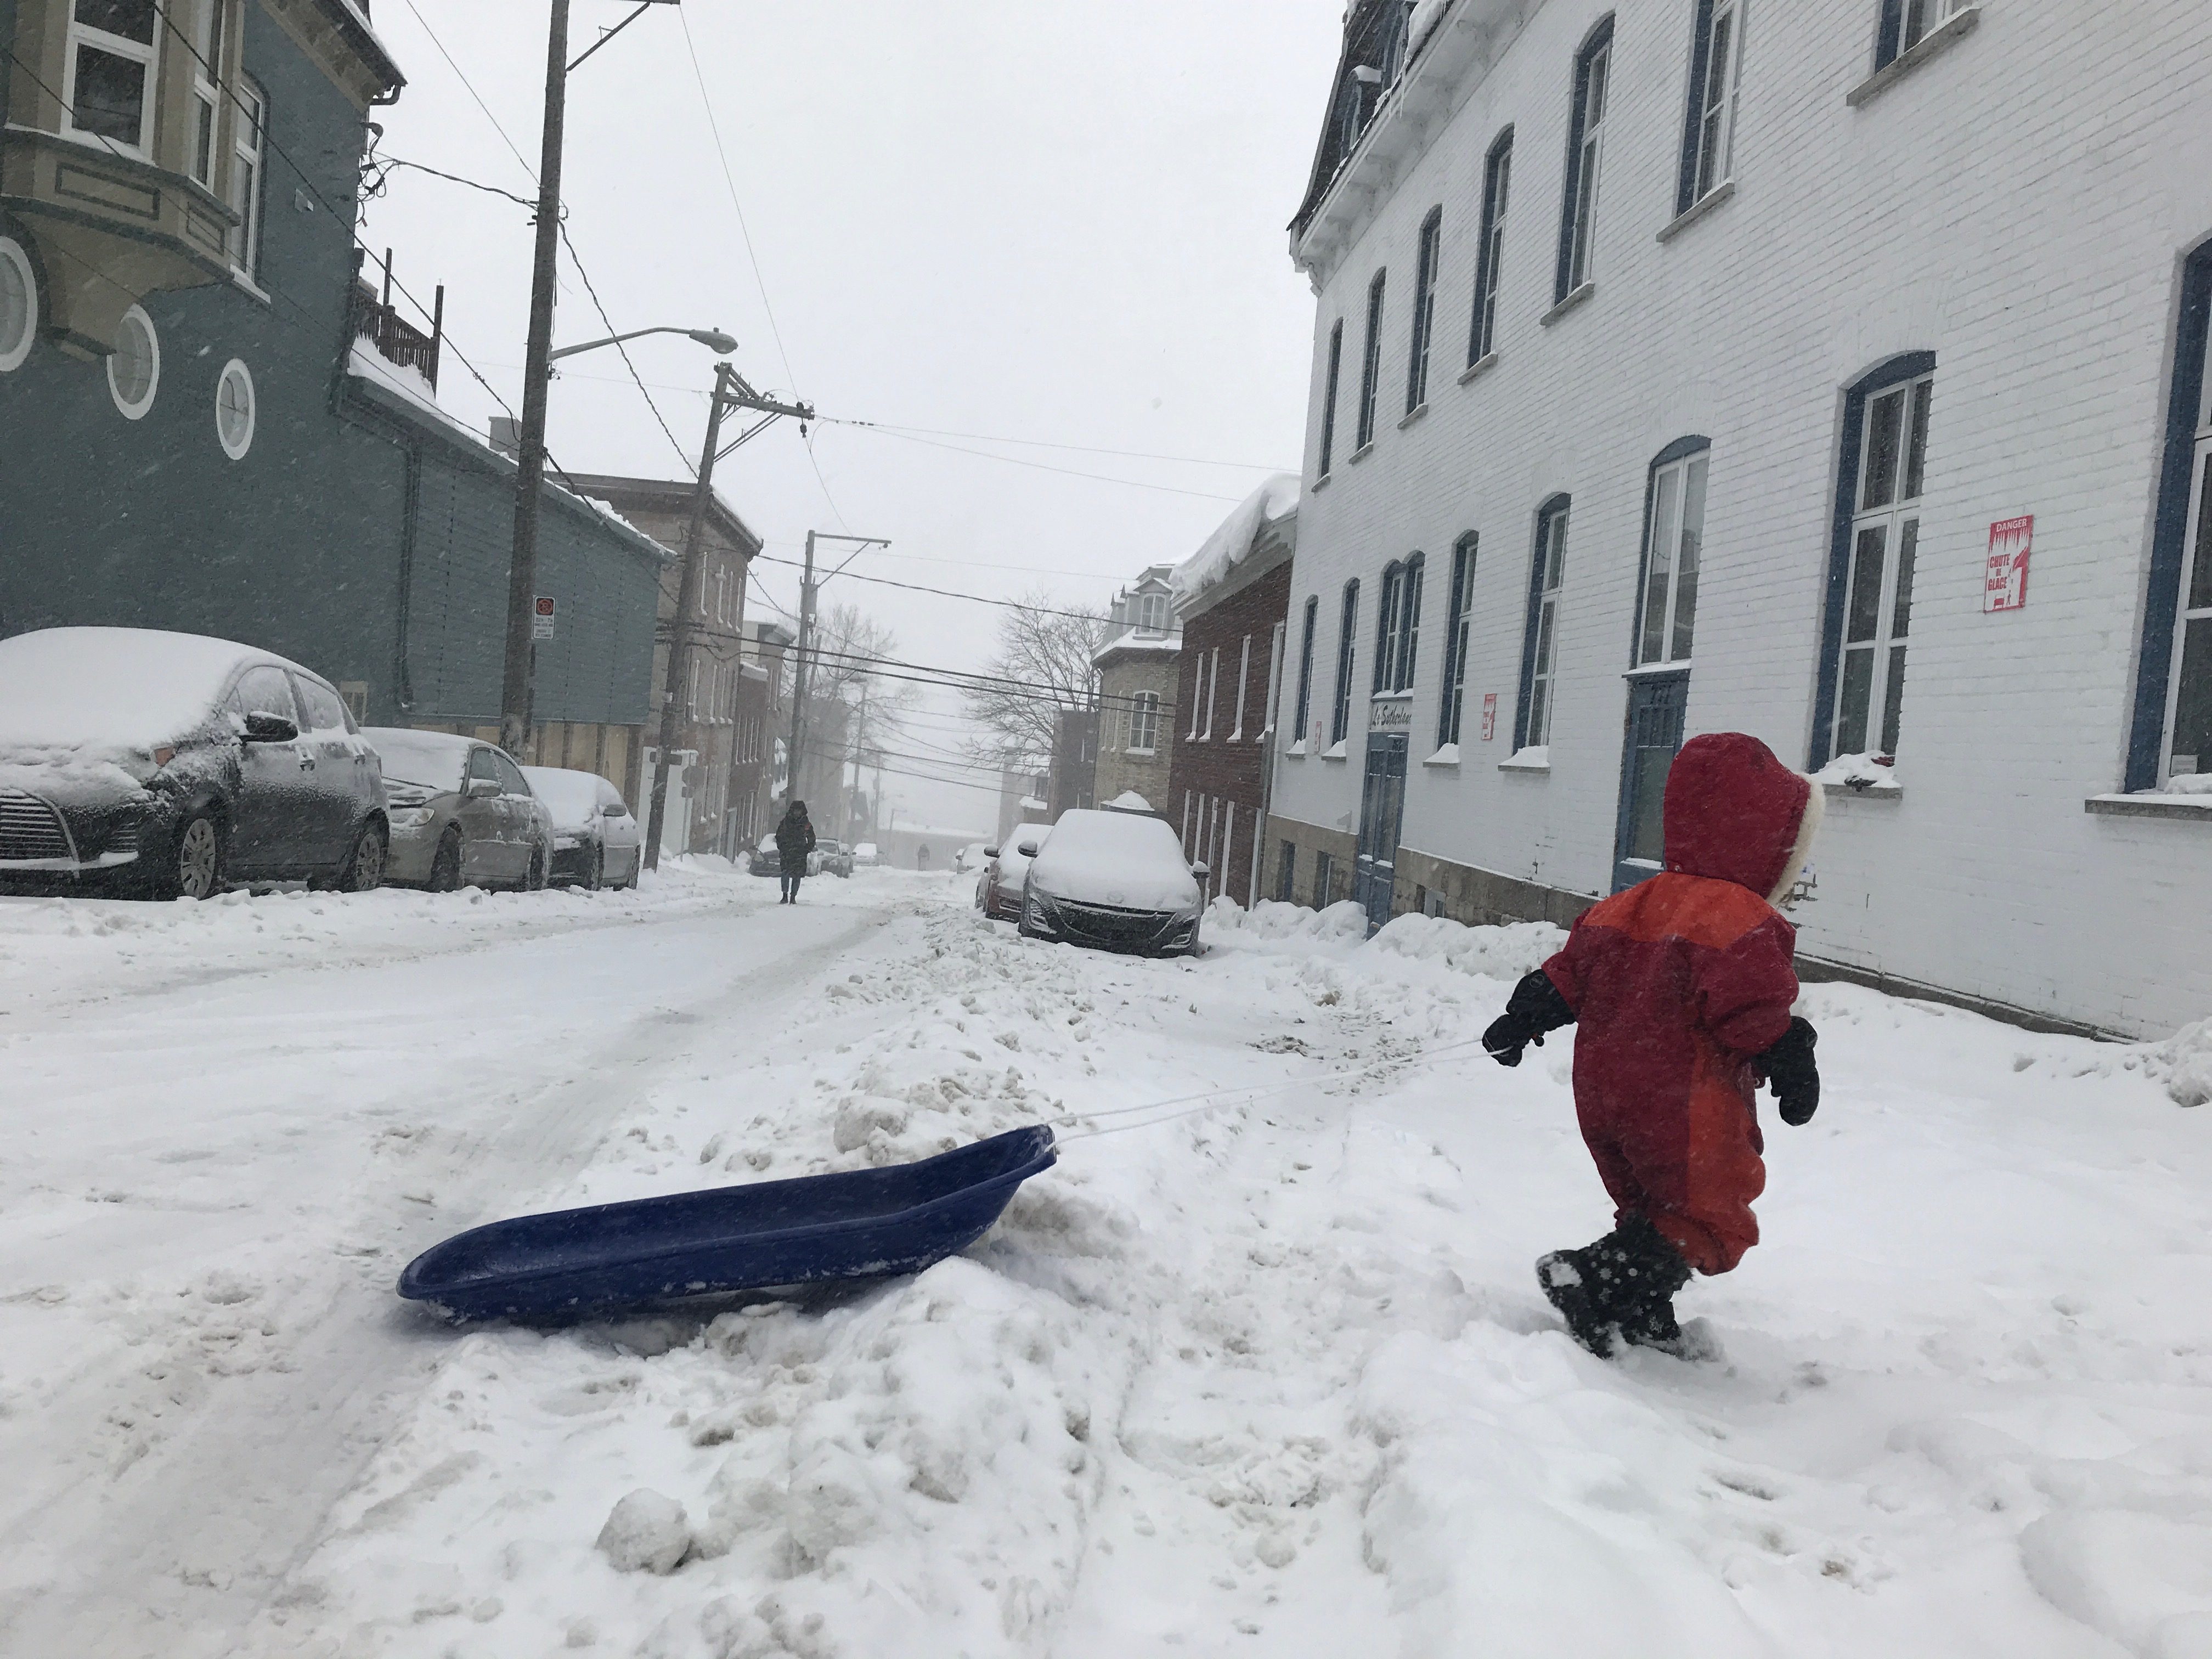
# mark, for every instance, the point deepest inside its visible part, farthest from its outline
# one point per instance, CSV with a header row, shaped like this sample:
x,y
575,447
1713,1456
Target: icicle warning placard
x,y
2004,583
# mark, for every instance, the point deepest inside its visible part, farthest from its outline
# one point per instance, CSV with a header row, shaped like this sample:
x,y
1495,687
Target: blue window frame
x,y
1348,643
1299,731
1490,255
1673,551
1456,621
1398,626
1907,23
1370,363
2172,732
1709,122
1328,399
1547,567
1424,310
1585,155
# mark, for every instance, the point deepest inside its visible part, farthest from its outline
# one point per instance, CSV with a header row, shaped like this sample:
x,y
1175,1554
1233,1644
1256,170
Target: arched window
x,y
1674,542
1870,566
1340,725
1709,122
1370,361
1398,626
1328,400
1585,152
1548,568
1300,729
1496,176
1424,310
1456,633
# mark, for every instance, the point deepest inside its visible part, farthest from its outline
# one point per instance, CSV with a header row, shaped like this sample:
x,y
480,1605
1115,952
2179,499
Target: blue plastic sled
x,y
612,1257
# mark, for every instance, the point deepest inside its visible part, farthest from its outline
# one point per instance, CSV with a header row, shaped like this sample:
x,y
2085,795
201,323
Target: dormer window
x,y
1152,613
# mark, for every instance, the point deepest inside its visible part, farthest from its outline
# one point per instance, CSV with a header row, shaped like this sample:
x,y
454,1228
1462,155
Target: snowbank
x,y
1224,549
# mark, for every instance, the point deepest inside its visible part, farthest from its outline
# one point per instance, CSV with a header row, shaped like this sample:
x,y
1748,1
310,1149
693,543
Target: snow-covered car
x,y
830,857
134,760
1114,881
866,855
462,813
1006,866
596,840
766,860
974,856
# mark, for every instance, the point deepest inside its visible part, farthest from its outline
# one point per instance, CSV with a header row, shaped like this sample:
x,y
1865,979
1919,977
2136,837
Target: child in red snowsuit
x,y
1680,987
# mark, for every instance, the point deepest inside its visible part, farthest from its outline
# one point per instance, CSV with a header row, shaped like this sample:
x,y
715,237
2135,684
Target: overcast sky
x,y
1061,223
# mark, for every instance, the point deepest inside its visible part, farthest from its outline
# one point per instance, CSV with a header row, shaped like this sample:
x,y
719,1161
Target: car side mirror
x,y
262,727
613,809
1200,870
1028,849
480,788
990,852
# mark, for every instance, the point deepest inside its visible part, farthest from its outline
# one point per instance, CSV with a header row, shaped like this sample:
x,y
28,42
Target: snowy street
x,y
1273,1377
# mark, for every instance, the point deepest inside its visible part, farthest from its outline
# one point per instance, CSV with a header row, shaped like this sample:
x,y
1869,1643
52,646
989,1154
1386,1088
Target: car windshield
x,y
824,843
428,759
572,798
109,689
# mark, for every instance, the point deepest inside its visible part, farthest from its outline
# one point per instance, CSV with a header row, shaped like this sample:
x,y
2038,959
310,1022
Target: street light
x,y
712,339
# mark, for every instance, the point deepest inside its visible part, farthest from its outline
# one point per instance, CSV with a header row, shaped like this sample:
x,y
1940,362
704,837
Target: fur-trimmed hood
x,y
1735,813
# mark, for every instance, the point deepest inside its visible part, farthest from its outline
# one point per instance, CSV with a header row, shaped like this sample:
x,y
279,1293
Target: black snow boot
x,y
1622,1286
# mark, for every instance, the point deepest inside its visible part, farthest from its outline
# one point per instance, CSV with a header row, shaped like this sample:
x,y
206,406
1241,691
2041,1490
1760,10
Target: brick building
x,y
699,780
1660,320
756,730
1136,667
1231,599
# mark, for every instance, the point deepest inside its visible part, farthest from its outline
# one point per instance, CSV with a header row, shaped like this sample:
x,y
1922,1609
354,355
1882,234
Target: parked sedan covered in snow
x,y
462,813
595,836
1116,881
999,889
171,764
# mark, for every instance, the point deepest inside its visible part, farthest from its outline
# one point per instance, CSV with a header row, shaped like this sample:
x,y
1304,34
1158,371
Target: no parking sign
x,y
541,617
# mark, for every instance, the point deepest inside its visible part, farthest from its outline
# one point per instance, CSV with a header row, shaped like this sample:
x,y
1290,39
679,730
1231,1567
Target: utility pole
x,y
515,683
808,587
679,629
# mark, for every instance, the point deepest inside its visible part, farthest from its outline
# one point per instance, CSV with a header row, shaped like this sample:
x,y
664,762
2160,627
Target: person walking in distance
x,y
794,840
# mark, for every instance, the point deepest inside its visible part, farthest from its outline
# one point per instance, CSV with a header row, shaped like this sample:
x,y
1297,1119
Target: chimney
x,y
506,436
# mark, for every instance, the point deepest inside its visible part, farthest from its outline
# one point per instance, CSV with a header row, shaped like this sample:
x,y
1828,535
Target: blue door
x,y
1381,805
1656,703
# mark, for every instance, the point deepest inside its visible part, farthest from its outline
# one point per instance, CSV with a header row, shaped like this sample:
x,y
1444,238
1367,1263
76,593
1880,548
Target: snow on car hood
x,y
1114,859
95,694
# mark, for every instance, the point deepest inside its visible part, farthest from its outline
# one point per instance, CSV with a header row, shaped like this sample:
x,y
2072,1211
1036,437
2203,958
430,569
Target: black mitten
x,y
1790,1067
1534,1008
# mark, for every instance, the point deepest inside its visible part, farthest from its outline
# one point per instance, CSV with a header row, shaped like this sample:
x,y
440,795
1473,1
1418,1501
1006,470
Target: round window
x,y
19,305
134,367
233,410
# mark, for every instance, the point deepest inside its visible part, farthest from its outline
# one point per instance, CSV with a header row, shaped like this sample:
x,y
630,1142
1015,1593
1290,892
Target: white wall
x,y
2019,205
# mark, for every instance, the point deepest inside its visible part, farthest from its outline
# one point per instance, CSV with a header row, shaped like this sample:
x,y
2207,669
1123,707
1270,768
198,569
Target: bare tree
x,y
1040,669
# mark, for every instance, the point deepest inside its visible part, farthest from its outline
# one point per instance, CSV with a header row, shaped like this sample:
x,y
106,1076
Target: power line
x,y
574,259
949,594
899,431
1044,466
471,87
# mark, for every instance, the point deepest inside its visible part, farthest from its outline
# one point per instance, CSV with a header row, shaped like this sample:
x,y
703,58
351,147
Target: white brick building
x,y
1748,249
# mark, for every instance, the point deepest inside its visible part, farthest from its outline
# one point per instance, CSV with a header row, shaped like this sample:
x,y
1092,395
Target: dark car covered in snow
x,y
171,765
1114,881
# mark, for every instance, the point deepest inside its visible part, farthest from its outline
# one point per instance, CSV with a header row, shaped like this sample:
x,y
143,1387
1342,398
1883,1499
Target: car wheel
x,y
595,873
445,863
364,870
195,868
535,881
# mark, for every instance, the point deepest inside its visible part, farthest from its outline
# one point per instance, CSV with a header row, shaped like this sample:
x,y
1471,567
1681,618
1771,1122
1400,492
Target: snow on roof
x,y
1129,801
110,690
1226,548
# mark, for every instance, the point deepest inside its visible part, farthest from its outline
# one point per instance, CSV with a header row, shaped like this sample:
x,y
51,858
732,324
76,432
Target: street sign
x,y
541,617
2005,584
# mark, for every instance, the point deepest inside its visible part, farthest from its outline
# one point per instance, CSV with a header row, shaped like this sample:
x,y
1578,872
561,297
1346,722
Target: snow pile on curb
x,y
1503,953
2185,1059
1343,923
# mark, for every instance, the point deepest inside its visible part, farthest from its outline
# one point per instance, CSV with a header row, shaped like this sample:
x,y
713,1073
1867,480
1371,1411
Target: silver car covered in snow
x,y
1116,881
462,813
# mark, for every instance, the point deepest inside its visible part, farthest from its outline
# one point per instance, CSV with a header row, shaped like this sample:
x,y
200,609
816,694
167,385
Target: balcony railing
x,y
397,340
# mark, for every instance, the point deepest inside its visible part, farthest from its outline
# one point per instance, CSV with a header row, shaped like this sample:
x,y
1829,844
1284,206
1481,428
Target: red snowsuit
x,y
1675,984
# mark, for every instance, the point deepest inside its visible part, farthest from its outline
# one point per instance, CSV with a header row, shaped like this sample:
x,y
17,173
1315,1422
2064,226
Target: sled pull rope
x,y
1212,1099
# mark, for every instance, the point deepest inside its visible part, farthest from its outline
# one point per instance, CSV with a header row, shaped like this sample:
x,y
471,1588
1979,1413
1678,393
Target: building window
x,y
1907,23
1540,644
1212,690
1143,715
1339,724
2174,711
1370,365
206,91
1398,623
1328,399
1585,151
19,305
1456,633
134,367
1674,537
111,70
1708,139
1424,310
1490,256
1324,879
1152,613
1243,676
1881,540
1305,669
233,410
250,132
1286,872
